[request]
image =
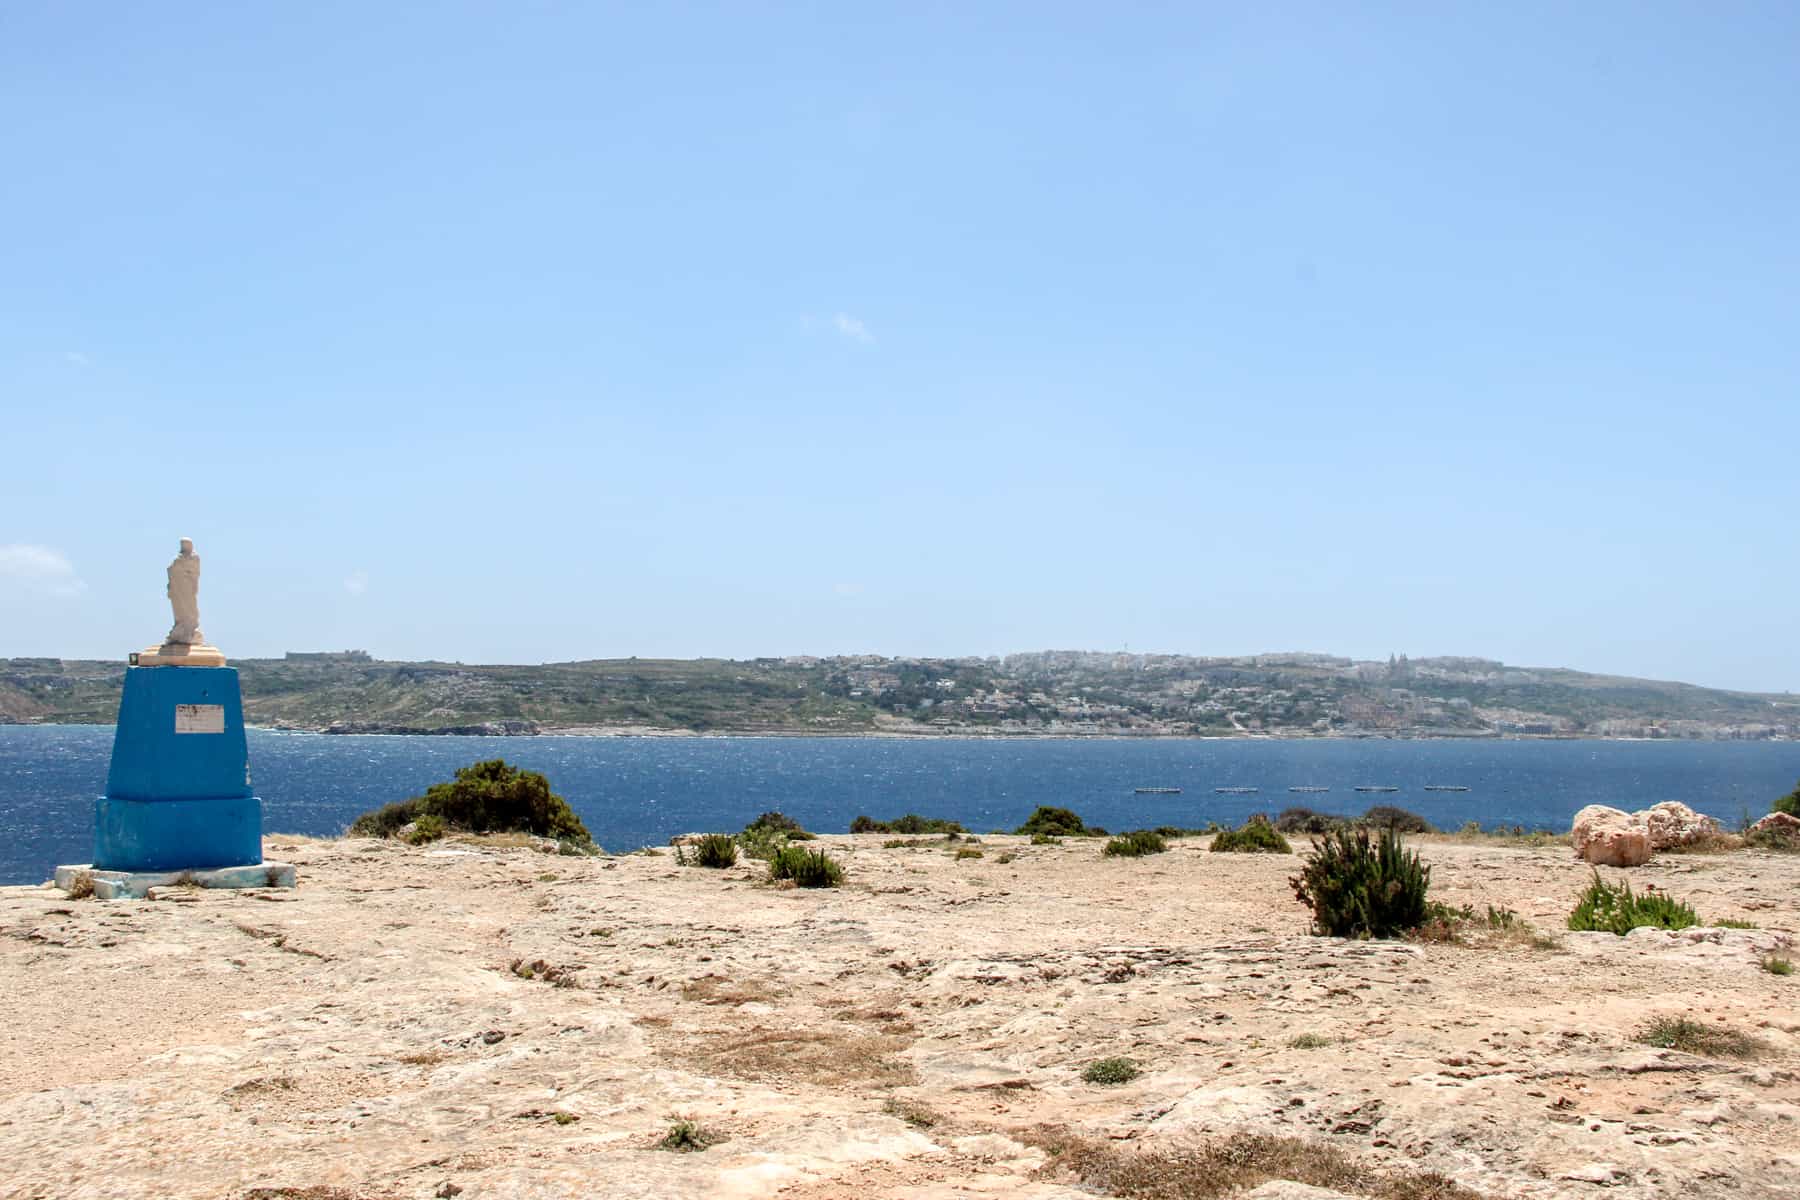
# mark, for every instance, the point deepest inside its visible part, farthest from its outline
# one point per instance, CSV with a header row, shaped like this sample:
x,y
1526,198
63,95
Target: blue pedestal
x,y
178,793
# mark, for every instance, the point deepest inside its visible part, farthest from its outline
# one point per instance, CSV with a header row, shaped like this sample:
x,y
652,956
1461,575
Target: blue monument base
x,y
177,835
178,793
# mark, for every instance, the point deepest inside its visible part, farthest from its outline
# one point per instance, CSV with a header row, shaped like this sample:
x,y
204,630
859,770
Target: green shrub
x,y
777,822
1305,820
1052,822
428,828
1178,831
1108,1071
1358,886
1603,908
1775,964
1386,816
1256,837
910,823
688,1136
963,852
1309,1041
1135,844
808,868
1044,839
487,797
1789,804
1735,923
716,850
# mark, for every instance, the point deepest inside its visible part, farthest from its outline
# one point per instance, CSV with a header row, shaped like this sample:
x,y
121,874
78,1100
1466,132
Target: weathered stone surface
x,y
1673,823
1287,1189
1609,837
1778,822
910,1036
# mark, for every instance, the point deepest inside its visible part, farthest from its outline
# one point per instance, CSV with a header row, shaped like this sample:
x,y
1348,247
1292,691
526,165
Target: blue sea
x,y
633,792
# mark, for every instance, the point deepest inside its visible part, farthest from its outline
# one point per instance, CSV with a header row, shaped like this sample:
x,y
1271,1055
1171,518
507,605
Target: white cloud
x,y
852,328
356,583
39,569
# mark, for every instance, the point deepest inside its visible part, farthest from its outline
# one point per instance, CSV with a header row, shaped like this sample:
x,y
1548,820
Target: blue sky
x,y
518,333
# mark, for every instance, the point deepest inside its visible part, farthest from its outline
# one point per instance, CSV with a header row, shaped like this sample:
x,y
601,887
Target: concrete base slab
x,y
132,885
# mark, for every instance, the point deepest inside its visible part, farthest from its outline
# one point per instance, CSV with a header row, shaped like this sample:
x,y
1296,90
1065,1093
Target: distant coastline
x,y
1054,694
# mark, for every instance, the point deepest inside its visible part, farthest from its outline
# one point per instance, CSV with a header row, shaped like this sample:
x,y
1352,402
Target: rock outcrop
x,y
1673,823
474,1019
1610,837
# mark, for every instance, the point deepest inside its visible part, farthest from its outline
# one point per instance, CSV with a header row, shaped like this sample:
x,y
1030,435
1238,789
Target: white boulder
x,y
1610,837
1673,823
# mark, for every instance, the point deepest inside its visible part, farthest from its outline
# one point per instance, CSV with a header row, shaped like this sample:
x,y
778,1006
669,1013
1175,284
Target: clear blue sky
x,y
514,333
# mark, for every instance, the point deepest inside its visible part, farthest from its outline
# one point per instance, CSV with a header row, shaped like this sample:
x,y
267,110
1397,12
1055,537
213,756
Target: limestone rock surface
x,y
1778,822
477,1019
1673,823
1610,837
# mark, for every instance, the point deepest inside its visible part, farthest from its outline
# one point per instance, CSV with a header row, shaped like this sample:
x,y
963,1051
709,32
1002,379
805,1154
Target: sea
x,y
639,791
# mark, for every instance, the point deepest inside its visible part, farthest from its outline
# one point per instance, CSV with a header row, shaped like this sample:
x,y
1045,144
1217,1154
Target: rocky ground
x,y
485,1020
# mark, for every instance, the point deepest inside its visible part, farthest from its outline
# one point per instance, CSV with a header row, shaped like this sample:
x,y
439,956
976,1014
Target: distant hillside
x,y
1057,693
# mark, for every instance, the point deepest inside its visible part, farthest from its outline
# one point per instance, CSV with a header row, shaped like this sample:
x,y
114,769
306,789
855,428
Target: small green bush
x,y
685,1137
1735,923
1135,844
1052,822
1044,839
716,850
1603,908
1789,804
1305,820
777,822
1775,964
1309,1041
910,823
963,852
1386,816
486,797
427,828
808,868
1110,1071
1358,886
1256,837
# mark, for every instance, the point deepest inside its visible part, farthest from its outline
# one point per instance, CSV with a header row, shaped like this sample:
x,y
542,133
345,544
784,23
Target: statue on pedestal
x,y
184,596
186,645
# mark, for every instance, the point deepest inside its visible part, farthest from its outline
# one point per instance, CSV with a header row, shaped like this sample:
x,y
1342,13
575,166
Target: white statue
x,y
184,597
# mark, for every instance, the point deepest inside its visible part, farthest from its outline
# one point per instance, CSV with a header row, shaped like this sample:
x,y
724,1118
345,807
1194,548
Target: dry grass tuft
x,y
1710,843
919,1116
81,886
1697,1037
721,989
423,1058
826,1059
1229,1165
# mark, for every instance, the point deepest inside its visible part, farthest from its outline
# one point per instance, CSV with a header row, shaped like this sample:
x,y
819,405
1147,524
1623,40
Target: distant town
x,y
1048,693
